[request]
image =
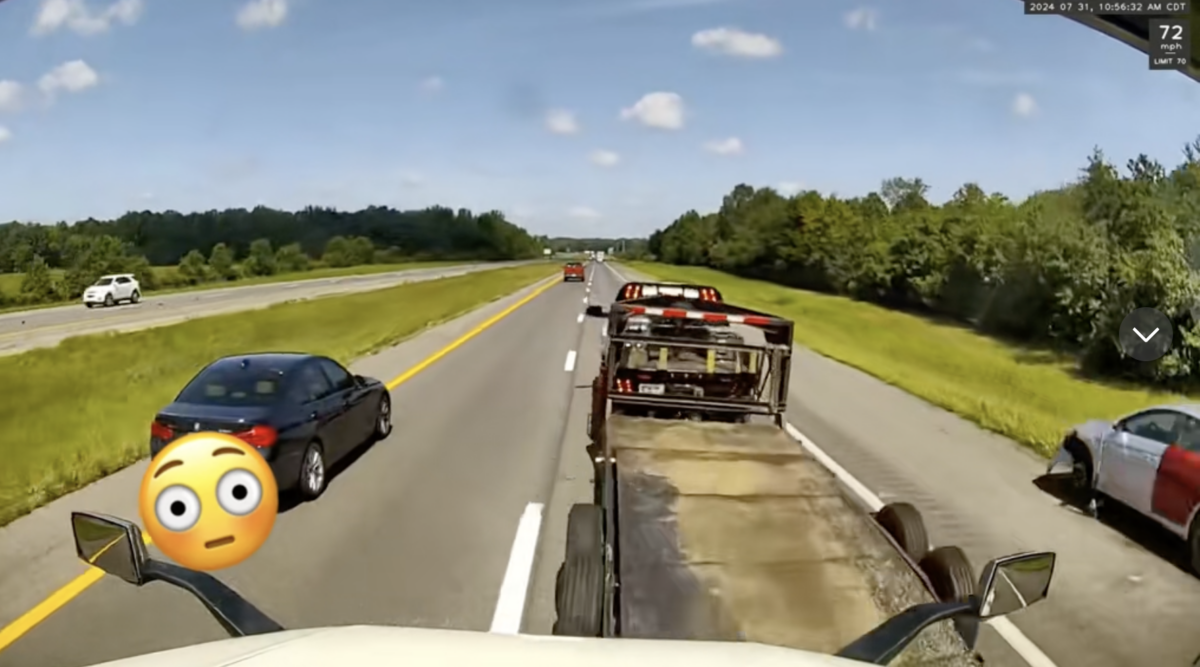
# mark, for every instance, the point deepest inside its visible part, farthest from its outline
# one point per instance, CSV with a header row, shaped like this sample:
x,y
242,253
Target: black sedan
x,y
303,412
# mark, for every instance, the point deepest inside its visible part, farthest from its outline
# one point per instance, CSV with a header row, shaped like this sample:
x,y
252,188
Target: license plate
x,y
656,389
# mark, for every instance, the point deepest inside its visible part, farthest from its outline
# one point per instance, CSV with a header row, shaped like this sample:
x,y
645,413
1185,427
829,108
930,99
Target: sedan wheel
x,y
383,422
312,472
108,300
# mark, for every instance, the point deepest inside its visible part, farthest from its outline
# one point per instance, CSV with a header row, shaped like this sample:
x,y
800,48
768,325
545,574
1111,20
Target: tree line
x,y
59,261
1060,269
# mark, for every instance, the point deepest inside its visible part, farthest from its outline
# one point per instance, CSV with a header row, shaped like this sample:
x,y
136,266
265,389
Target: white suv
x,y
108,290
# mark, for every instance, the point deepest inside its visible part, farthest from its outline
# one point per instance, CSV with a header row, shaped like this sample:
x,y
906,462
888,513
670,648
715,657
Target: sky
x,y
574,117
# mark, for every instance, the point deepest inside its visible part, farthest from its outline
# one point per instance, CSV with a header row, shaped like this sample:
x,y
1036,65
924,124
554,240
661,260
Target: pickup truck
x,y
573,271
709,522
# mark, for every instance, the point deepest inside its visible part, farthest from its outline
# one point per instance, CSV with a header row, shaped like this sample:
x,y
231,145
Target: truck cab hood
x,y
377,646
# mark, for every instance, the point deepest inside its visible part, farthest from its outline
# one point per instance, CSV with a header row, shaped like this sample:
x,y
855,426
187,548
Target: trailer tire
x,y
904,523
585,537
598,405
950,573
578,596
598,473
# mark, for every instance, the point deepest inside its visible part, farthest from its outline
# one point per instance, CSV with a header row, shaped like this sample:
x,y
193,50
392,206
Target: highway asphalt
x,y
469,495
1114,601
23,330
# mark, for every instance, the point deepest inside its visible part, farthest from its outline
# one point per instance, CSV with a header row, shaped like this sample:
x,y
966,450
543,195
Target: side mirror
x,y
1011,583
360,380
111,544
595,311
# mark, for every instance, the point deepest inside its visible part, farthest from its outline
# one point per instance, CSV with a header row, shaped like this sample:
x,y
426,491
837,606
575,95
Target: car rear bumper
x,y
284,460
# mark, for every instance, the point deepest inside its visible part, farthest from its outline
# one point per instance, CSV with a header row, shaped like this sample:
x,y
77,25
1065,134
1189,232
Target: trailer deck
x,y
704,529
732,532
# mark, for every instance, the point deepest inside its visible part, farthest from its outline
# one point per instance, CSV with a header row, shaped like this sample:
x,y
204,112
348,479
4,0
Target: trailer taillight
x,y
717,318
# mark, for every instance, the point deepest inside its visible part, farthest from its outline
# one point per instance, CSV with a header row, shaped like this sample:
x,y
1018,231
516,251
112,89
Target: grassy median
x,y
1027,395
74,413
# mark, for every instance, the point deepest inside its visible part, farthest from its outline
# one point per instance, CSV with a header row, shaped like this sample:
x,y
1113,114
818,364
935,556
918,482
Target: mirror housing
x,y
1008,584
1011,583
595,311
111,544
360,380
115,546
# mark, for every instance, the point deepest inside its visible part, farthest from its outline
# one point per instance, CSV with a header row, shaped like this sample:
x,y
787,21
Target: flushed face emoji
x,y
209,501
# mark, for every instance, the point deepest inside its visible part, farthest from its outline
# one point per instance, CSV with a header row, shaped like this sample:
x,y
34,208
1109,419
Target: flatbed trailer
x,y
714,524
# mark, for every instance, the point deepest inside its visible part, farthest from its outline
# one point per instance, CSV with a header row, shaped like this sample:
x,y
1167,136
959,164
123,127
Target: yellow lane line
x,y
59,598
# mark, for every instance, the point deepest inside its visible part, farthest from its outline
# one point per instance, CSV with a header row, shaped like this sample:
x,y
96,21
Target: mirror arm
x,y
881,645
234,613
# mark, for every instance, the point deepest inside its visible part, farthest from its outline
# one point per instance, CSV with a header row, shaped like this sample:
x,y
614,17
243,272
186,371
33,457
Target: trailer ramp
x,y
731,532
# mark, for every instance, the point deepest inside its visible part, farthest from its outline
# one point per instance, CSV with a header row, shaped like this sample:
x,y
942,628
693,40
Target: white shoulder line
x,y
1009,632
1021,644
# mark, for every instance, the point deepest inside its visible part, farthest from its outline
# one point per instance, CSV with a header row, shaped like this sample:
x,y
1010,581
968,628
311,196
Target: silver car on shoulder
x,y
1148,461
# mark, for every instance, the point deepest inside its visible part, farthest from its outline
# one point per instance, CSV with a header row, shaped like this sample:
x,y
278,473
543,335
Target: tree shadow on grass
x,y
1070,364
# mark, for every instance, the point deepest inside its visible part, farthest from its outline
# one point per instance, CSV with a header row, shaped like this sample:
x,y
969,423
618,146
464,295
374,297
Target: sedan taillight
x,y
161,431
258,436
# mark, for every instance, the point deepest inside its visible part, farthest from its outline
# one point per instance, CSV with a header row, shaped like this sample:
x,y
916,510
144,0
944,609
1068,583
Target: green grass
x,y
1028,395
74,413
10,283
314,274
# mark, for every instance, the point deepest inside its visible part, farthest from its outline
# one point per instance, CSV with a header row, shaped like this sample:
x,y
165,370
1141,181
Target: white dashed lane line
x,y
570,364
514,590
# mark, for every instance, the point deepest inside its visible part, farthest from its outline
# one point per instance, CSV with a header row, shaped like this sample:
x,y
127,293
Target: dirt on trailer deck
x,y
731,531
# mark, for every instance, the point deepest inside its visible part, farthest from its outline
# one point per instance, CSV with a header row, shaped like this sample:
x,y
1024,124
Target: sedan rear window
x,y
233,385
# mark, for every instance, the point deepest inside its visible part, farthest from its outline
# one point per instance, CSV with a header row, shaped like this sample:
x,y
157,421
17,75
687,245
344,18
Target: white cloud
x,y
584,213
1024,105
561,121
433,84
262,14
72,77
412,179
789,188
76,16
12,94
603,158
659,110
862,18
730,146
735,42
5,134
